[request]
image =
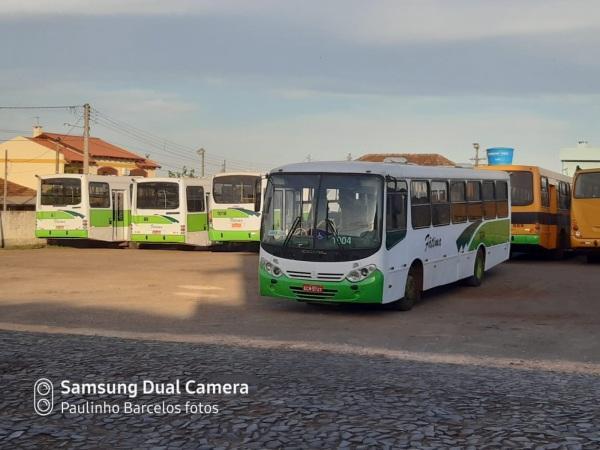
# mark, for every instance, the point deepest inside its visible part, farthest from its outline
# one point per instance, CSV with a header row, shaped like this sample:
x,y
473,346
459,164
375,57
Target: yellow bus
x,y
541,202
585,213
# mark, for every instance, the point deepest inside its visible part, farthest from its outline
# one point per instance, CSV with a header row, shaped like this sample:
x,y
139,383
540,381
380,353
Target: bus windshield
x,y
60,192
587,185
521,188
323,212
157,195
235,189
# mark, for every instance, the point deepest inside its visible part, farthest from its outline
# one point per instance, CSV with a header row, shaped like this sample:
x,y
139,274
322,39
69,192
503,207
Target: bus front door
x,y
118,216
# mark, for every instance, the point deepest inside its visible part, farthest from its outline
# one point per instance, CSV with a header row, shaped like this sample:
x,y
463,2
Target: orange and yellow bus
x,y
541,202
585,213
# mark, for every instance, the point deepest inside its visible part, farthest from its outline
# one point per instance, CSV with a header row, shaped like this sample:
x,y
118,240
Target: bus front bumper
x,y
370,290
234,236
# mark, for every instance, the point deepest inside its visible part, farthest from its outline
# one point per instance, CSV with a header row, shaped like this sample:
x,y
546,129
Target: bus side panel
x,y
197,229
101,227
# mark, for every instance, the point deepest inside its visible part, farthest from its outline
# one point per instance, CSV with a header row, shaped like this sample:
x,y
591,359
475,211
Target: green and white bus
x,y
235,204
74,206
170,211
365,232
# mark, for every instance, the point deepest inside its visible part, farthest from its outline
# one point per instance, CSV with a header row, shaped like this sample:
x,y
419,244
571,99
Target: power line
x,y
41,107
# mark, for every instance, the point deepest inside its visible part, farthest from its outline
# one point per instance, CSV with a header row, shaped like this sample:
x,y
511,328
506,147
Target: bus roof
x,y
104,178
393,169
540,170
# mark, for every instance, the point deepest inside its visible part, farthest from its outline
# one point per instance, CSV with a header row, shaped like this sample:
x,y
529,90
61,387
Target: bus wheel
x,y
412,290
478,270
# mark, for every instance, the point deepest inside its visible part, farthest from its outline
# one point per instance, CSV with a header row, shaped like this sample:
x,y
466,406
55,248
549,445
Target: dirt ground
x,y
528,311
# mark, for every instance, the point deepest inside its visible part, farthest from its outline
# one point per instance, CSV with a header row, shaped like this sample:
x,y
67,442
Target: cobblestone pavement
x,y
296,399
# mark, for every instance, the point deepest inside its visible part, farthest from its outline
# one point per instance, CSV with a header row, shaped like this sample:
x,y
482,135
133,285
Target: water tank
x,y
500,155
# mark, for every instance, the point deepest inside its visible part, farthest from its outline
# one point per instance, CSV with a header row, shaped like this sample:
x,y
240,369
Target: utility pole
x,y
5,200
201,152
477,158
224,166
86,139
56,170
349,157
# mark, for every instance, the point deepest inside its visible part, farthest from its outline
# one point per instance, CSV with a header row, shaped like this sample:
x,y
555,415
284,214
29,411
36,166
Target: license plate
x,y
312,288
236,225
60,227
155,231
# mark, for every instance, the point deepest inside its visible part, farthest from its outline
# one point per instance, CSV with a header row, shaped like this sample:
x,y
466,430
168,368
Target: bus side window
x,y
545,192
474,207
458,199
440,206
195,198
420,205
99,195
563,195
489,200
502,198
396,217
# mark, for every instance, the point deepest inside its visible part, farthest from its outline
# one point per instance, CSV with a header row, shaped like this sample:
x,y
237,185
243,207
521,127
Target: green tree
x,y
183,173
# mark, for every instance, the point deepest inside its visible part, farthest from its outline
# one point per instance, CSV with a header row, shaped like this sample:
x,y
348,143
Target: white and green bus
x,y
365,232
170,211
235,205
74,206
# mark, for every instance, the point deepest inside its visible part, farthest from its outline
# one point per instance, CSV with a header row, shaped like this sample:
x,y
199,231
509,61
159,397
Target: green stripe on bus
x,y
526,239
491,233
232,213
61,234
369,290
234,236
153,219
101,217
159,238
197,222
57,215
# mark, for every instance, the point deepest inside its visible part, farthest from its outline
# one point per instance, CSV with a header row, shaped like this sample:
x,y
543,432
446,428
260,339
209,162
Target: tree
x,y
183,173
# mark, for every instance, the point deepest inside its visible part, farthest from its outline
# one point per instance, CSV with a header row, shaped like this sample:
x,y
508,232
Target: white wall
x,y
17,228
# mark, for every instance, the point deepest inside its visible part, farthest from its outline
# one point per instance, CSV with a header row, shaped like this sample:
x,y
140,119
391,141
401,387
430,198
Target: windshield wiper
x,y
336,236
294,227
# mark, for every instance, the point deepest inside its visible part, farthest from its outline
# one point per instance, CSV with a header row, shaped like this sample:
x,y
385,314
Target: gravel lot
x,y
297,399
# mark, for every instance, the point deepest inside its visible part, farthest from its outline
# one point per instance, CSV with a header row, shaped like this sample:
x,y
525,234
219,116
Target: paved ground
x,y
526,309
297,399
512,364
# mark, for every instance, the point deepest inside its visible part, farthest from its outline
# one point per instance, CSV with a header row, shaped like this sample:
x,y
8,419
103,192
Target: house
x,y
583,156
18,197
421,159
49,153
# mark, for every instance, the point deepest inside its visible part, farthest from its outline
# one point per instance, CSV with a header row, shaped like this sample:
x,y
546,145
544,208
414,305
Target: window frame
x,y
395,235
202,199
436,205
474,202
463,202
489,202
544,191
107,198
420,205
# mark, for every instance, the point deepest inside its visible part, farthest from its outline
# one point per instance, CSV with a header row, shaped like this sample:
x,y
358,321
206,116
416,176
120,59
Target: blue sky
x,y
269,82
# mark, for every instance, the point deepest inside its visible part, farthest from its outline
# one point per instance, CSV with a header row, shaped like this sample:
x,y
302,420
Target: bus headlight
x,y
356,275
270,268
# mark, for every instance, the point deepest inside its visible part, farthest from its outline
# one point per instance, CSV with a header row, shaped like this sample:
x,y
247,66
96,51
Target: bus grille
x,y
330,276
302,295
300,275
320,276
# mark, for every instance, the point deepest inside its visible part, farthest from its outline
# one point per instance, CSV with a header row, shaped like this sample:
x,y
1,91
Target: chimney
x,y
37,130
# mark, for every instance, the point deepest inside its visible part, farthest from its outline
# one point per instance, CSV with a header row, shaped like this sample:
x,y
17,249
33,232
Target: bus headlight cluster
x,y
356,275
270,268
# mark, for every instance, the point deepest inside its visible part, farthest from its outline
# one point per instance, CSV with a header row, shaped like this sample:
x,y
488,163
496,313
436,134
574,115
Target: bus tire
x,y
412,289
559,252
478,269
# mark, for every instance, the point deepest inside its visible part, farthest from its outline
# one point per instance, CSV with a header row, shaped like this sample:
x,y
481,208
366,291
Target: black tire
x,y
478,270
592,258
412,290
559,252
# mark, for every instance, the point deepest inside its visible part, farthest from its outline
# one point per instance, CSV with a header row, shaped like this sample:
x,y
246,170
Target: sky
x,y
263,83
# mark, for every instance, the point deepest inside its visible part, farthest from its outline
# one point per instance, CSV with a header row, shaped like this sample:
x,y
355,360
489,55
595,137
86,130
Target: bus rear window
x,y
235,189
587,185
521,188
60,192
157,195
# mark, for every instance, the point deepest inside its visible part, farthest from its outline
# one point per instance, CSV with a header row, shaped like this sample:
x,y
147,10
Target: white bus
x,y
235,204
170,211
74,206
365,232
